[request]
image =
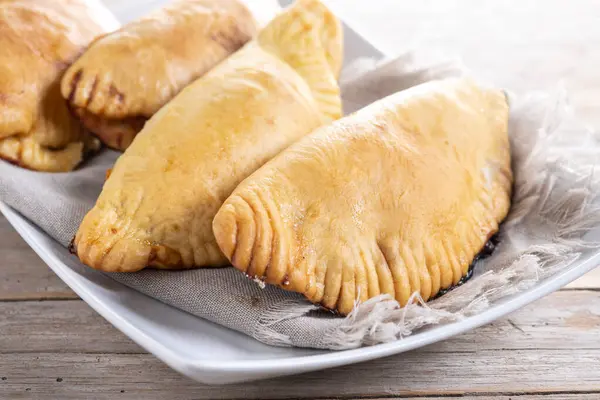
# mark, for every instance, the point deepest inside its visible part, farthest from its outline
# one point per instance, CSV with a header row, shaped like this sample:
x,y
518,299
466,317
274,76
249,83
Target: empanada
x,y
28,153
397,198
157,206
127,76
38,40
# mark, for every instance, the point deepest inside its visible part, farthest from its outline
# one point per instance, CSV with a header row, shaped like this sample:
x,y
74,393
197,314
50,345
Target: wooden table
x,y
54,346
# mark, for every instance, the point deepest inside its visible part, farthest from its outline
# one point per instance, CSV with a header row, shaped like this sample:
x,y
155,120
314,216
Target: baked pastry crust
x,y
127,76
39,39
157,206
26,152
397,198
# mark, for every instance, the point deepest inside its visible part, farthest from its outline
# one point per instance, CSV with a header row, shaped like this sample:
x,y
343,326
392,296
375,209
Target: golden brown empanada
x,y
28,153
157,206
38,40
127,76
397,198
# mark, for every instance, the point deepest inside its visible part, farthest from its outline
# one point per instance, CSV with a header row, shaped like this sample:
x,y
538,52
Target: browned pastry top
x,y
397,198
127,76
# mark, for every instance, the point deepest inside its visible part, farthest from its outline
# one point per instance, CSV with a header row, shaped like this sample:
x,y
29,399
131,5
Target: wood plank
x,y
515,396
591,280
72,326
550,346
23,275
59,326
101,376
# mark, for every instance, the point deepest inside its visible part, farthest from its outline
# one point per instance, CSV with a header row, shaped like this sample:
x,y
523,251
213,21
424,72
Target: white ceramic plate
x,y
213,354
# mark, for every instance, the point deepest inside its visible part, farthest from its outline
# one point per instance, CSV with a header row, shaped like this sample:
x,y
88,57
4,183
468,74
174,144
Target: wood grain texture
x,y
23,275
514,396
531,351
591,280
58,326
76,376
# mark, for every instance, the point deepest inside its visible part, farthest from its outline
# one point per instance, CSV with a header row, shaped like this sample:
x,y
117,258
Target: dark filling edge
x,y
486,251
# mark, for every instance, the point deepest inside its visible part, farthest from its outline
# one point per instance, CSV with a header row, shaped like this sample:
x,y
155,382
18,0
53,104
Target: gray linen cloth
x,y
553,209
